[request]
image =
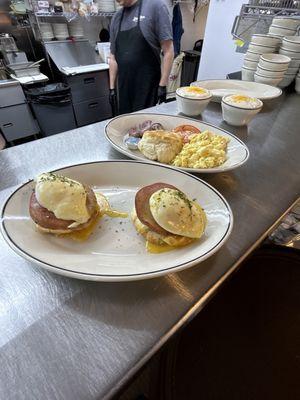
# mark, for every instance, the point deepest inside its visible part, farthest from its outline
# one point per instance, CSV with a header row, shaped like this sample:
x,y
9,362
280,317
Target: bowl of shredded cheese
x,y
192,100
239,109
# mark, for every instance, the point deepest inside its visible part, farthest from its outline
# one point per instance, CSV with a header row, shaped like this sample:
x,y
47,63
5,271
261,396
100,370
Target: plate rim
x,y
189,170
240,80
122,277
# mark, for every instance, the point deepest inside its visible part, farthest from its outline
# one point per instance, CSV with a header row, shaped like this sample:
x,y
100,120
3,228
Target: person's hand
x,y
113,100
162,94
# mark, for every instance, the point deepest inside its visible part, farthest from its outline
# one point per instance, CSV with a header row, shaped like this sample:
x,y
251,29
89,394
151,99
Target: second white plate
x,y
117,128
223,87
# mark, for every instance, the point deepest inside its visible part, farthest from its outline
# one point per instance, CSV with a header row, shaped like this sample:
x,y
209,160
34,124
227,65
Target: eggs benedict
x,y
61,205
167,218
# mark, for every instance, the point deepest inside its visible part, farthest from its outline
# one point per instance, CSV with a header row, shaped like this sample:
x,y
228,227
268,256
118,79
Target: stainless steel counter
x,y
65,339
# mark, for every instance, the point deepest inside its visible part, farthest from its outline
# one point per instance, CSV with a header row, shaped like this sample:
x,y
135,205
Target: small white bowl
x,y
292,70
248,74
266,79
191,106
269,73
294,63
291,43
236,115
277,30
260,49
284,22
250,64
252,56
297,85
274,62
276,35
289,53
266,40
286,81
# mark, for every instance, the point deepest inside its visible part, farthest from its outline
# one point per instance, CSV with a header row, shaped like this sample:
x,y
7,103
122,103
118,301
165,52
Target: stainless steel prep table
x,y
66,339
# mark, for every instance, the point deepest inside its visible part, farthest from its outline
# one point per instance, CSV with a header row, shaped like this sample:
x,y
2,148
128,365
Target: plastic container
x,y
52,106
190,67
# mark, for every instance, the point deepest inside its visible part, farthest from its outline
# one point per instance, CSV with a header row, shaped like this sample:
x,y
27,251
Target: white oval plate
x,y
116,129
115,252
223,87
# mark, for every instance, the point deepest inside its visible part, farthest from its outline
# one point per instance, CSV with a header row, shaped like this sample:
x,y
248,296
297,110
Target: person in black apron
x,y
139,70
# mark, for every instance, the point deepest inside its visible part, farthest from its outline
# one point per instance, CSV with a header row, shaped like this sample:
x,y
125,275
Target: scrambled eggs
x,y
205,150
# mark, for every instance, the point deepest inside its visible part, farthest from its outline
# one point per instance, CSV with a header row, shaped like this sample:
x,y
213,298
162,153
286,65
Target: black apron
x,y
138,69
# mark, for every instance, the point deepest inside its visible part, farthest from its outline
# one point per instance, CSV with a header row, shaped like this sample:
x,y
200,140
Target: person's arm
x,y
168,57
113,71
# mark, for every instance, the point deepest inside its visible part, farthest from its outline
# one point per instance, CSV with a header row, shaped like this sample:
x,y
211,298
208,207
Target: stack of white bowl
x,y
284,26
117,6
260,44
290,47
297,86
60,31
106,5
271,69
46,31
75,29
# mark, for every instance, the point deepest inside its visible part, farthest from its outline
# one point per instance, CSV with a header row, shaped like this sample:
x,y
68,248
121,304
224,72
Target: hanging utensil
x,y
36,62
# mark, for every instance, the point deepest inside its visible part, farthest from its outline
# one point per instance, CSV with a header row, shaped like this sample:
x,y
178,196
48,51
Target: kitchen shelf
x,y
257,17
72,16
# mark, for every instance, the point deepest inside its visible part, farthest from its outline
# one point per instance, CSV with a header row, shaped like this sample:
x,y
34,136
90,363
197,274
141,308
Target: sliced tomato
x,y
187,128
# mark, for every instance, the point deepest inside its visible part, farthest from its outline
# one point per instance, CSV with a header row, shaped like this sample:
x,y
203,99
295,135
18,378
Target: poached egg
x,y
65,197
174,212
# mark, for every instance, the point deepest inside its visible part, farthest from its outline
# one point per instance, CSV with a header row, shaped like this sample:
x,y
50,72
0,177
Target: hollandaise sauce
x,y
103,209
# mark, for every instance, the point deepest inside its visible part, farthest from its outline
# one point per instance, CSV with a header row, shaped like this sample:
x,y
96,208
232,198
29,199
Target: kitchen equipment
x,y
37,62
88,80
23,69
117,128
222,87
16,120
99,258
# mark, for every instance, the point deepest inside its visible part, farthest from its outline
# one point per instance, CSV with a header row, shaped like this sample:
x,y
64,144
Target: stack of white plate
x,y
75,29
60,31
106,5
46,31
284,26
260,44
290,47
271,69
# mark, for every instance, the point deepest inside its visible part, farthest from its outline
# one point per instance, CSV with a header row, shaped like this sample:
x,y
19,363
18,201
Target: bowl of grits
x,y
239,109
192,100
